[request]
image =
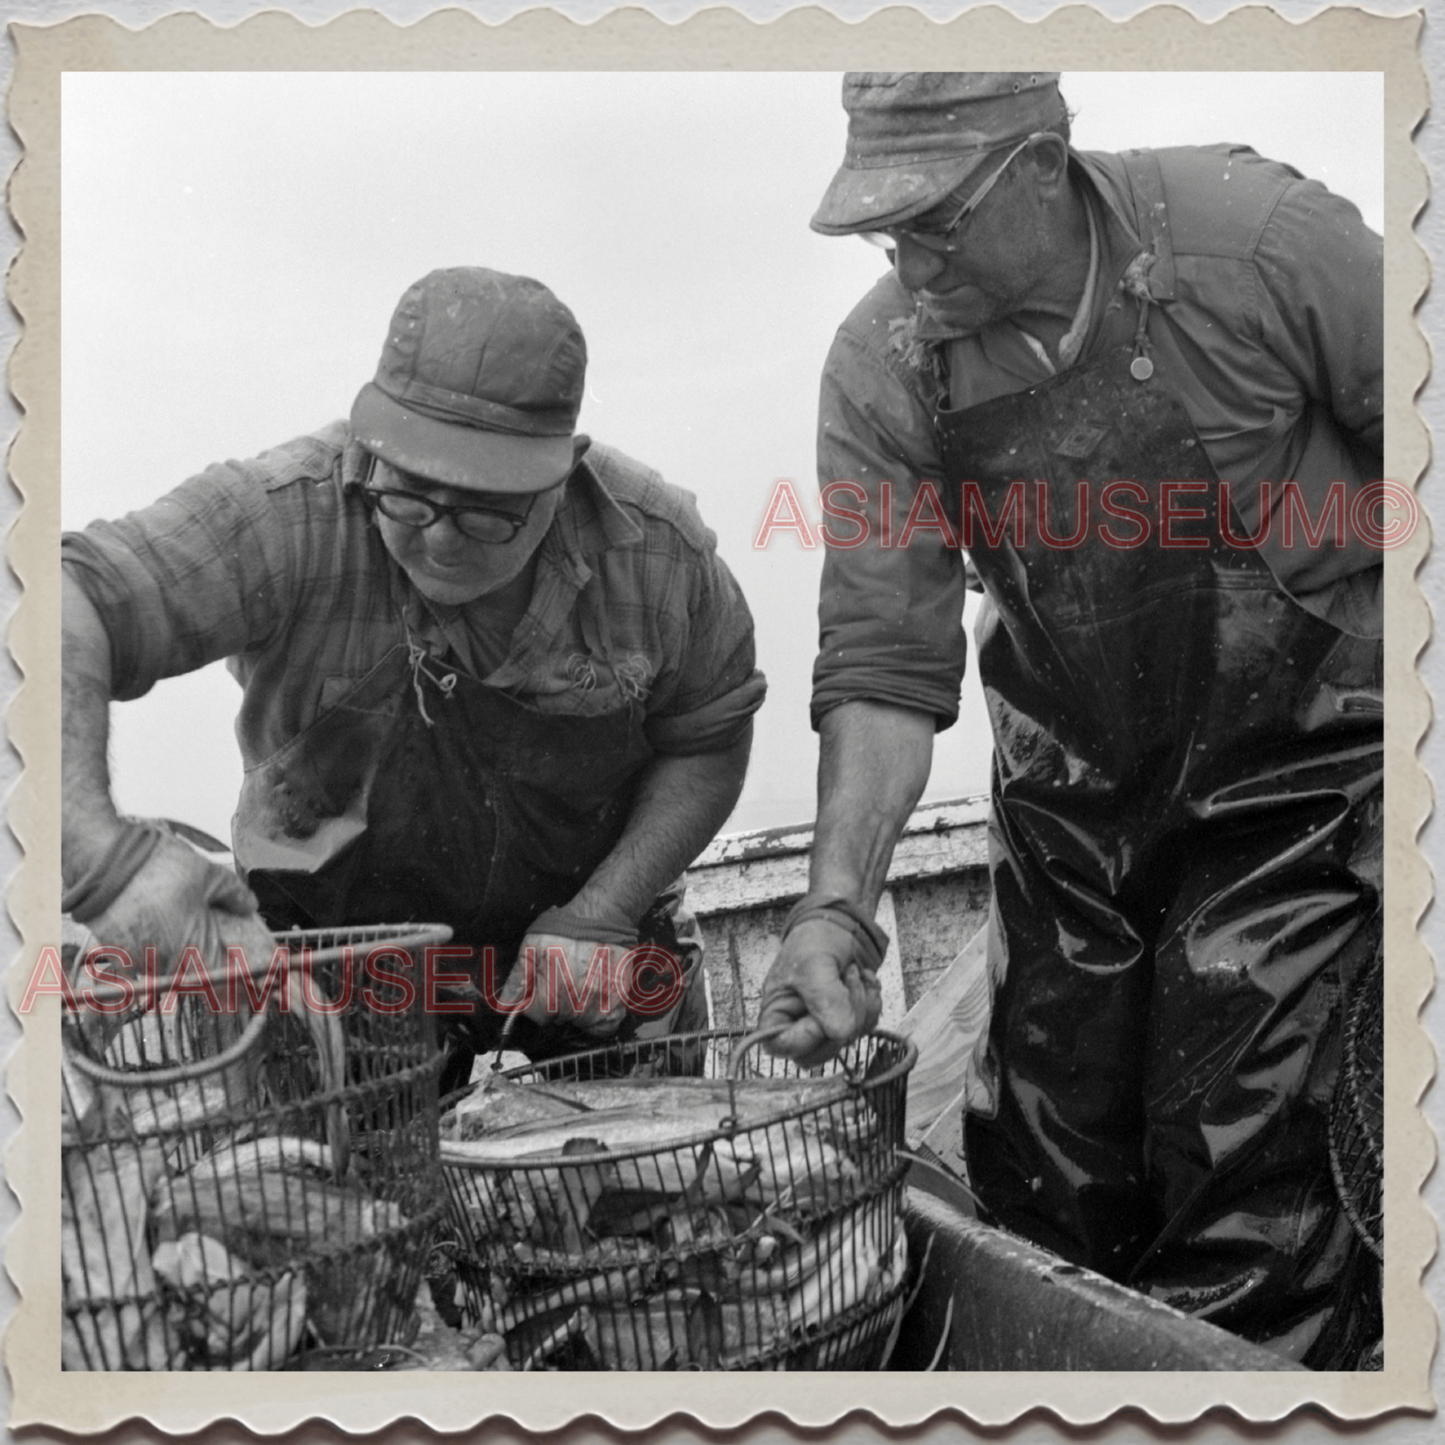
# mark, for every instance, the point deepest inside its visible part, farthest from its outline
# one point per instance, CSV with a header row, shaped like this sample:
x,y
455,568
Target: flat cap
x,y
914,136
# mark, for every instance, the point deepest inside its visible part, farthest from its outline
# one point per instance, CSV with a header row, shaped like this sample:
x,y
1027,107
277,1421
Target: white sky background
x,y
234,245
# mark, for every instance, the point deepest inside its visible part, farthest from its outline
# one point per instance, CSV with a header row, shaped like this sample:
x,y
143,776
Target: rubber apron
x,y
1185,862
424,794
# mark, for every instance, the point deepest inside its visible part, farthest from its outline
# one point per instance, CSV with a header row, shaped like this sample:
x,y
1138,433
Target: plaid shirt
x,y
274,564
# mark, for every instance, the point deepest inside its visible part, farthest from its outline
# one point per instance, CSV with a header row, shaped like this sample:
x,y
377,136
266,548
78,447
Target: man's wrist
x,y
870,940
110,871
594,923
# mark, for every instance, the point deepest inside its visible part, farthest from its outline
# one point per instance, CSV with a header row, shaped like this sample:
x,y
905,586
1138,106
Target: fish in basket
x,y
254,1188
605,1217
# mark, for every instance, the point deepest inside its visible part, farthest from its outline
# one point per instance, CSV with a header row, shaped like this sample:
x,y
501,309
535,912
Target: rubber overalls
x,y
1185,859
425,795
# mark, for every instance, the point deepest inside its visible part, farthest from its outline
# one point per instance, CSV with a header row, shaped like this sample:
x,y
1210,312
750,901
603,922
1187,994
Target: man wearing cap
x,y
494,675
1186,714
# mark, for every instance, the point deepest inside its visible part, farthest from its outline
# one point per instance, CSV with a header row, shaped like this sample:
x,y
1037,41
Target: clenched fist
x,y
824,982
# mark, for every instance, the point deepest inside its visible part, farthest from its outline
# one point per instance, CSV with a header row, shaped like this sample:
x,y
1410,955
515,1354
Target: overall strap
x,y
1146,183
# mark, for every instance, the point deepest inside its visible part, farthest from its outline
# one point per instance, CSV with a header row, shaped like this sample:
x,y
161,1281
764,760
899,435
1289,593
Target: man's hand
x,y
176,900
681,802
170,904
594,1005
823,983
872,764
133,885
574,958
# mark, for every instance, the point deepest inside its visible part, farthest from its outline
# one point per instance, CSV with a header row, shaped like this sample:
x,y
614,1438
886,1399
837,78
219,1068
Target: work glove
x,y
150,889
583,943
823,985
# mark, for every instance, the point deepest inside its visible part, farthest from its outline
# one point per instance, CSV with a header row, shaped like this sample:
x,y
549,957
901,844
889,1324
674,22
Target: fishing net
x,y
747,1219
250,1180
1357,1118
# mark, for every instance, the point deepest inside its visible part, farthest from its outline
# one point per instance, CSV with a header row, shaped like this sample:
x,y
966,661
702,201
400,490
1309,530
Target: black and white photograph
x,y
722,720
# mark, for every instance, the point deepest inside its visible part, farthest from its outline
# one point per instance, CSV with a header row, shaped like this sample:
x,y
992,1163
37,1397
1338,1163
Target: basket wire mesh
x,y
1357,1117
256,1187
761,1231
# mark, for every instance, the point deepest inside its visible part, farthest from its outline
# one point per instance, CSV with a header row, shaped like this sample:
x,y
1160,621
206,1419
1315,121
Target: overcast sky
x,y
234,244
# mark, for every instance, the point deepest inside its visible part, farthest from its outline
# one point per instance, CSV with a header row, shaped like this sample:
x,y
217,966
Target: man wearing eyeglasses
x,y
1071,356
494,675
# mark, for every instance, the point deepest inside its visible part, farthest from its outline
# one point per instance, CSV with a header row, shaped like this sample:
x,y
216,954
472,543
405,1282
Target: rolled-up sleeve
x,y
890,611
715,687
1319,297
184,582
1322,306
206,572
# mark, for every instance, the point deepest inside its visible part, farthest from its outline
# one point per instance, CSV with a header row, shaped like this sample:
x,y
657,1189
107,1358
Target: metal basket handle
x,y
251,1035
729,1122
762,1036
758,1036
187,1072
194,1069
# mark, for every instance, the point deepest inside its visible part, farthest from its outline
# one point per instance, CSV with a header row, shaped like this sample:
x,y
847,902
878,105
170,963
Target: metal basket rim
x,y
864,1312
322,1099
420,1226
295,940
858,1089
165,1076
414,934
890,1182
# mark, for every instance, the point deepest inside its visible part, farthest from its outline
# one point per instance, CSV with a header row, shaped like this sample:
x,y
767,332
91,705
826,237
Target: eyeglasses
x,y
936,238
481,524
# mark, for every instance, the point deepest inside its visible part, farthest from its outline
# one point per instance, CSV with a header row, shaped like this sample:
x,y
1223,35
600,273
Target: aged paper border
x,y
1074,38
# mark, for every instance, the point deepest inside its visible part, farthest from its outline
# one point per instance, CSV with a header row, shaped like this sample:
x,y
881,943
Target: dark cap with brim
x,y
457,455
479,384
915,136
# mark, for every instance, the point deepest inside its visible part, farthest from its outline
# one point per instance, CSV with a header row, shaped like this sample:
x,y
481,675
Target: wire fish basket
x,y
255,1186
747,1219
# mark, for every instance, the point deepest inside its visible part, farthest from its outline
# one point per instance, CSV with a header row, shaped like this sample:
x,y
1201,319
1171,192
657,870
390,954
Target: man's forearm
x,y
88,815
872,769
680,805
